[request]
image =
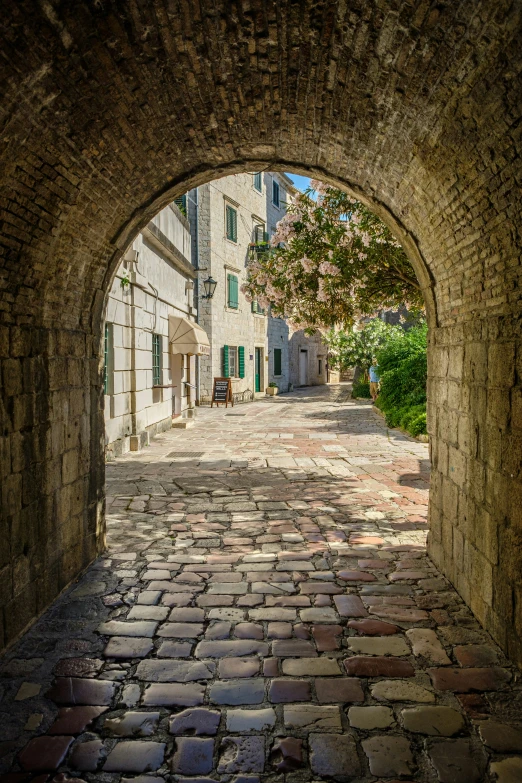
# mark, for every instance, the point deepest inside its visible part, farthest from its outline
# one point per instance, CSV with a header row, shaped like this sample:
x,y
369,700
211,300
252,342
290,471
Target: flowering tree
x,y
332,261
357,348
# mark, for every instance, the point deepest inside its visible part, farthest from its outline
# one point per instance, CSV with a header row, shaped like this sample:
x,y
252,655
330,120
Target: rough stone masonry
x,y
110,110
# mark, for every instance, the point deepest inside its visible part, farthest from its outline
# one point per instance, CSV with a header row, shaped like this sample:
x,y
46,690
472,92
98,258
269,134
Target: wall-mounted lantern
x,y
209,286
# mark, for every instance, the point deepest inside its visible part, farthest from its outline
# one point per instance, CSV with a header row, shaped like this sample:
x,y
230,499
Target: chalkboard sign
x,y
222,392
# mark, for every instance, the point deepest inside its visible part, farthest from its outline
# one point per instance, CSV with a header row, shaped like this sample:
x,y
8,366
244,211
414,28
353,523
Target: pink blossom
x,y
326,268
319,187
307,264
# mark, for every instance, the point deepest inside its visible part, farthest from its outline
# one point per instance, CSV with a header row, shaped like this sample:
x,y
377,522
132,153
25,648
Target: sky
x,y
300,182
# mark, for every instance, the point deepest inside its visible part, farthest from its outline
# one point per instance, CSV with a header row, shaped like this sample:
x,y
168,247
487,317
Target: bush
x,y
361,389
403,369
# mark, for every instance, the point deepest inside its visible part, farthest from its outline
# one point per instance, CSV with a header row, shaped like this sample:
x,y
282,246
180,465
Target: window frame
x,y
233,361
259,228
276,187
108,359
279,352
156,359
257,175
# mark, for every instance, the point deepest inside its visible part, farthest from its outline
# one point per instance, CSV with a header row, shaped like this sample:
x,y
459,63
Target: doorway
x,y
303,367
257,369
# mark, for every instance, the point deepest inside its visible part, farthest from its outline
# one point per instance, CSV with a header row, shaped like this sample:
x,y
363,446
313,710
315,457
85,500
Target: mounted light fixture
x,y
209,286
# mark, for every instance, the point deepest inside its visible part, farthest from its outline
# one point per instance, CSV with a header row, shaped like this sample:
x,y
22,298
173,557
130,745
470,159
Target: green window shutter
x,y
231,223
106,361
225,362
241,360
156,359
257,182
277,361
233,291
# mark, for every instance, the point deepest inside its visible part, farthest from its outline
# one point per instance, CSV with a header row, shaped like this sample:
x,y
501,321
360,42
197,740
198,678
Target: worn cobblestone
x,y
338,653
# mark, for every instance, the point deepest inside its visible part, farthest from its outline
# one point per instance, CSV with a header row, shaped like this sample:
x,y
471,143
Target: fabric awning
x,y
187,337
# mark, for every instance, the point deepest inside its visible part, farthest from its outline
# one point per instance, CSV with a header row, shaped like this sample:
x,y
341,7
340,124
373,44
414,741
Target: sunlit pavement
x,y
265,608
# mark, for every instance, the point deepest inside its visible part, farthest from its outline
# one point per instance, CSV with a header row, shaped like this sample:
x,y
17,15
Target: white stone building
x,y
307,359
226,216
151,337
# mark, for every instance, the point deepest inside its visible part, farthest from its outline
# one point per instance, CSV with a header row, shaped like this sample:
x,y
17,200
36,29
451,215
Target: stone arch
x,y
111,109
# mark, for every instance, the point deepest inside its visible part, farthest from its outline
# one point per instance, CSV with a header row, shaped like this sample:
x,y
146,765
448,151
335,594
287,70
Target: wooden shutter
x,y
156,359
106,361
257,182
277,361
275,192
241,360
233,297
226,373
231,224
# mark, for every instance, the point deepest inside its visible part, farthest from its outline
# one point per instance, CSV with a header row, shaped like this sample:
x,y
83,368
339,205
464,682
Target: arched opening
x,y
112,112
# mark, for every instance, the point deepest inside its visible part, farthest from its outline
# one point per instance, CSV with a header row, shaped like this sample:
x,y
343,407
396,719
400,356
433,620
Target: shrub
x,y
403,369
361,389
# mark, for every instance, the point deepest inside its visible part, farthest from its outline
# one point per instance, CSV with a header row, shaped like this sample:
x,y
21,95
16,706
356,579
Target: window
x,y
233,361
181,204
258,182
156,359
320,369
107,360
231,223
275,193
277,361
256,308
232,292
260,234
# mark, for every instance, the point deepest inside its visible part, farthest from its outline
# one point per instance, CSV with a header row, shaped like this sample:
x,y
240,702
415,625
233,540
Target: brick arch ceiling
x,y
112,107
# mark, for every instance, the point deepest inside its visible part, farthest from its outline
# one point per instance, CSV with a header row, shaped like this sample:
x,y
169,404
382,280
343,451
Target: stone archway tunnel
x,y
111,109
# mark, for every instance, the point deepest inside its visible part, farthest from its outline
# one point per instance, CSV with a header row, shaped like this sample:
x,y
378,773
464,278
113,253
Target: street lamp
x,y
209,286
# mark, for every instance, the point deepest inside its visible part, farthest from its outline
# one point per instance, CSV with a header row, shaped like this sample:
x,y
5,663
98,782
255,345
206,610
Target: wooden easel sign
x,y
222,392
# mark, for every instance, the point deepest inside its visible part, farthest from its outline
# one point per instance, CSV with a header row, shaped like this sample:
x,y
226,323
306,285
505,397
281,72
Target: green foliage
x,y
357,349
332,262
361,389
403,369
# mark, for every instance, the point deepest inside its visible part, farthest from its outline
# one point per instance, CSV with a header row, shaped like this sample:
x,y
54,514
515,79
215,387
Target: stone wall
x,y
278,338
219,257
475,411
108,113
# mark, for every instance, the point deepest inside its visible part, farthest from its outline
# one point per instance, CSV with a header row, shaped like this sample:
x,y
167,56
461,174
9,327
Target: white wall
x,y
158,288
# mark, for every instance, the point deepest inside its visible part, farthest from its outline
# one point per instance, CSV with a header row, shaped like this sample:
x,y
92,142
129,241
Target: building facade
x,y
227,217
151,337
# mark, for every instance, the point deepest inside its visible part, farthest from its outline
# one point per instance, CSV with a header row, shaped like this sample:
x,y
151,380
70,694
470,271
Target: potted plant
x,y
272,388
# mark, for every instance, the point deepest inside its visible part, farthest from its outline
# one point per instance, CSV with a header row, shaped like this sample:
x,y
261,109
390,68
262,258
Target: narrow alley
x,y
264,607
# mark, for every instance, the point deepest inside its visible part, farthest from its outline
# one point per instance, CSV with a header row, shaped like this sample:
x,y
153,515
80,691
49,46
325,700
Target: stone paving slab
x,y
266,609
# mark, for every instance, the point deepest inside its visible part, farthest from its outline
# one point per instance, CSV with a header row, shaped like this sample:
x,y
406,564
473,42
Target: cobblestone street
x,y
265,607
